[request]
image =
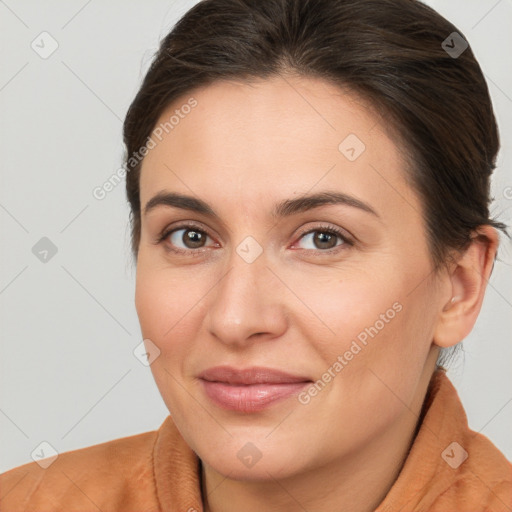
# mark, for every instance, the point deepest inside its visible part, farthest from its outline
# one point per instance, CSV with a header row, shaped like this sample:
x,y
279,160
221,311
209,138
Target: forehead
x,y
278,137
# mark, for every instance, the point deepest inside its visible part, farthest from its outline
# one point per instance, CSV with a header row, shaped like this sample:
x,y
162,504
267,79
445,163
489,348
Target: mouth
x,y
251,389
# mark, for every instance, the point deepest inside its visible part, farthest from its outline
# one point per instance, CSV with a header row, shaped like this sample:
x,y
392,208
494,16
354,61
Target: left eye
x,y
323,239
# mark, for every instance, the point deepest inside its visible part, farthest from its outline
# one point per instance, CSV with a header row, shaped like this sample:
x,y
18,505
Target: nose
x,y
246,304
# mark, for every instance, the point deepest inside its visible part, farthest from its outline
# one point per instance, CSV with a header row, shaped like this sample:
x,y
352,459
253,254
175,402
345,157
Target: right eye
x,y
187,238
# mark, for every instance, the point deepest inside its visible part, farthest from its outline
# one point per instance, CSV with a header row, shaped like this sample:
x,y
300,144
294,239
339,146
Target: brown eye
x,y
190,238
187,239
324,239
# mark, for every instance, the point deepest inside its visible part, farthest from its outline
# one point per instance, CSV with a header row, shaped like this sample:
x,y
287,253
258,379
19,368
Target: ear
x,y
468,279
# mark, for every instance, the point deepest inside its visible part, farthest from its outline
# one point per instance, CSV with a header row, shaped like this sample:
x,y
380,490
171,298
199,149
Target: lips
x,y
249,390
248,376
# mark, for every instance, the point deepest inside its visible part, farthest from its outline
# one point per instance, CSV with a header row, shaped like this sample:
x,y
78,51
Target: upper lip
x,y
252,375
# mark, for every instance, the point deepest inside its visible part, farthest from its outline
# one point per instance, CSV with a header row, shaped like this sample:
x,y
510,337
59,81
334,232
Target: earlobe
x,y
468,281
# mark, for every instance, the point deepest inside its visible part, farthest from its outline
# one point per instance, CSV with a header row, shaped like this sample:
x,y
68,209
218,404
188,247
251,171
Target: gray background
x,y
69,326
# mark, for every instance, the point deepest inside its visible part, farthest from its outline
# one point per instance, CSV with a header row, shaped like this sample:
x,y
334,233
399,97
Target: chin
x,y
263,470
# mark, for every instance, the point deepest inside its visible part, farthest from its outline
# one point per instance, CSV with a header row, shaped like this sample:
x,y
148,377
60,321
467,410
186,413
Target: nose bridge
x,y
242,303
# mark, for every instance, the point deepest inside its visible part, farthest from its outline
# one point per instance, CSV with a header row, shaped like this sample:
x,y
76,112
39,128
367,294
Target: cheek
x,y
170,304
157,304
369,322
167,316
343,310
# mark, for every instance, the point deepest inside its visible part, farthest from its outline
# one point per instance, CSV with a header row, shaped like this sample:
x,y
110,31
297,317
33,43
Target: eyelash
x,y
197,252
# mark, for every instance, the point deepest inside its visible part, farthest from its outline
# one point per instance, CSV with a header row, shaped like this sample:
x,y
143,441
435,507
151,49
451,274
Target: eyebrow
x,y
283,209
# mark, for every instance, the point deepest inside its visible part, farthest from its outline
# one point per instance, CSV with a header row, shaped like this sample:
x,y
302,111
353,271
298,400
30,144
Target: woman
x,y
312,237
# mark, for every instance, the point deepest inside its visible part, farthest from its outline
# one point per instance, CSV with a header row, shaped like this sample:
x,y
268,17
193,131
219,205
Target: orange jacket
x,y
158,471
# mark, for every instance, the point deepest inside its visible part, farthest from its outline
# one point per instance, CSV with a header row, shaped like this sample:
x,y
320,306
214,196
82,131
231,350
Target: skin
x,y
296,307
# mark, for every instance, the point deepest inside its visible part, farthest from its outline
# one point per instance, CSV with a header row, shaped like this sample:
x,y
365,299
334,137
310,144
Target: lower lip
x,y
249,398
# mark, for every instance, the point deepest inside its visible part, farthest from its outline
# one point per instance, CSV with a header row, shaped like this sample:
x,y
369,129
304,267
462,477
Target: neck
x,y
357,483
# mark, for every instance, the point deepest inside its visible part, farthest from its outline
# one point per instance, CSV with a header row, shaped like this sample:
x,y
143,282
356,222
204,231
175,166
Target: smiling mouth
x,y
249,397
250,390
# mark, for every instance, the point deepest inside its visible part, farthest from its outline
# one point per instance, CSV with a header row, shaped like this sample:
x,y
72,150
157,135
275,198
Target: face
x,y
336,290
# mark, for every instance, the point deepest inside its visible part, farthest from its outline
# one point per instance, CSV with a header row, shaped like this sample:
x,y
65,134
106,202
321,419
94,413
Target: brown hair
x,y
387,51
